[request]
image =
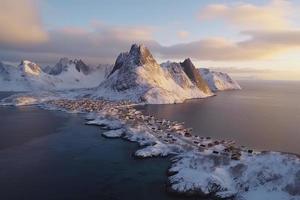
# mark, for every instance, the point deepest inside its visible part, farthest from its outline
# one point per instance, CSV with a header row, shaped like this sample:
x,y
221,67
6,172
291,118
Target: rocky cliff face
x,y
82,67
178,75
194,75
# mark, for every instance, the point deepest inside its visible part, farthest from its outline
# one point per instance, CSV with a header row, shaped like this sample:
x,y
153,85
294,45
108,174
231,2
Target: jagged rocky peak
x,y
64,64
29,67
139,55
178,75
81,67
193,74
59,67
119,62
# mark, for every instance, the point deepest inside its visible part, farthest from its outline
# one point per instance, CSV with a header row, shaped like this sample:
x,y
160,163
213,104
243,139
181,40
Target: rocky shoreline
x,y
201,166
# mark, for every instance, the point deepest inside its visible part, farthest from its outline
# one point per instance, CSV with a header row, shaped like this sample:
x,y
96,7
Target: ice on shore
x,y
263,176
114,133
106,123
140,135
158,149
29,98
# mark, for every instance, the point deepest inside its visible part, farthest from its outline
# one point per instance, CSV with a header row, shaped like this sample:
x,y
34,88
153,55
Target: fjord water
x,y
264,115
53,155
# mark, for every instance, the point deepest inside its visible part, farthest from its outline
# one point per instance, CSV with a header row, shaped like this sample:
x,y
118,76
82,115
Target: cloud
x,y
100,45
104,44
20,23
183,34
274,15
259,45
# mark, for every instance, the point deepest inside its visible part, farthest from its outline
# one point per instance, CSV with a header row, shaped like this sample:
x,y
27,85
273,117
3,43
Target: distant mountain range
x,y
135,76
66,74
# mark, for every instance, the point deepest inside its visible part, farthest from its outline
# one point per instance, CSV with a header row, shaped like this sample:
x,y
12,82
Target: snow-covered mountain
x,y
178,75
66,74
27,76
191,71
74,74
64,65
137,76
218,81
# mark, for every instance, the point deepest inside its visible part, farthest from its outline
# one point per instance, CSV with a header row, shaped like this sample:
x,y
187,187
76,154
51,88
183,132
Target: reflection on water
x,y
22,124
264,115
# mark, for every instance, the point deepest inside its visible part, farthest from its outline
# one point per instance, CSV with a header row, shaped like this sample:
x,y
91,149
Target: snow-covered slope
x,y
66,74
27,76
64,65
178,75
137,76
69,74
11,78
218,80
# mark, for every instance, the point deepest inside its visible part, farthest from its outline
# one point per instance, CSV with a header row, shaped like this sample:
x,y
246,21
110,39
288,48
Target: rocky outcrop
x,y
194,75
218,81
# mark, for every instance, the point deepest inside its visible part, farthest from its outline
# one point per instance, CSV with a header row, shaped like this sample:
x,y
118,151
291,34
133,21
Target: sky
x,y
258,39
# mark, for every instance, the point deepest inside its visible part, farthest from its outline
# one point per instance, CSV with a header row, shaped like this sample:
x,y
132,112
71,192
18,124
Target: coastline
x,y
200,166
184,147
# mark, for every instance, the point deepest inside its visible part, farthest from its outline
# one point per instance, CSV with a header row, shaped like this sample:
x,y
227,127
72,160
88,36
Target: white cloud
x,y
275,15
259,45
20,23
101,43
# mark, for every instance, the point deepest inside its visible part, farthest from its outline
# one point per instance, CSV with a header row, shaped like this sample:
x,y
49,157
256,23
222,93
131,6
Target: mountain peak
x,y
189,62
81,66
138,55
191,71
29,67
141,55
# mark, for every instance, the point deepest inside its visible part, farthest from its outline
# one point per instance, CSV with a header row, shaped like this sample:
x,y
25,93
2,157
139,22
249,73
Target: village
x,y
114,116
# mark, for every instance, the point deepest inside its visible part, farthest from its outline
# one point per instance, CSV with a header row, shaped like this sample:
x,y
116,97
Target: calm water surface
x,y
264,115
53,156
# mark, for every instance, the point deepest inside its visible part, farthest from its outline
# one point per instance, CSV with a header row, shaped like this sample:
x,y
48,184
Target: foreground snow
x,y
267,175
